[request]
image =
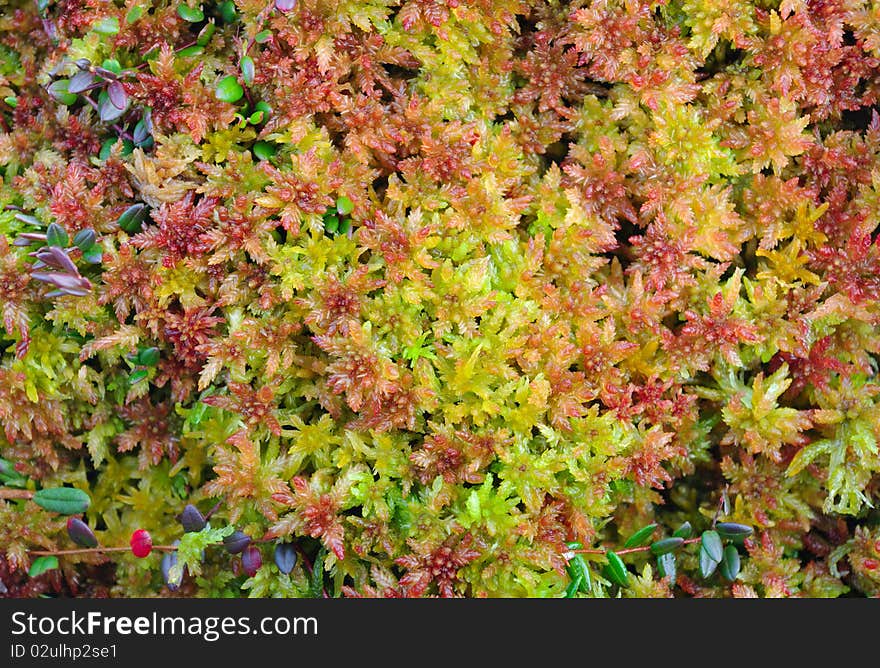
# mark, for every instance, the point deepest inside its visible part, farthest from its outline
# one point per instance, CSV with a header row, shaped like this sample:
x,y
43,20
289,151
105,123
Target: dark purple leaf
x,y
117,95
80,82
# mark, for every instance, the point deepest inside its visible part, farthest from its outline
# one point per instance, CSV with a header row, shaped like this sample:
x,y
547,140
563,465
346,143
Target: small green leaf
x,y
229,90
256,118
640,537
344,225
56,236
578,570
84,239
227,11
132,218
191,51
141,133
134,14
262,36
711,542
616,570
711,553
575,585
190,14
42,564
264,107
684,531
730,564
93,255
205,34
247,70
264,150
666,566
148,356
112,65
107,26
11,100
63,500
137,376
344,205
733,530
331,224
58,91
666,545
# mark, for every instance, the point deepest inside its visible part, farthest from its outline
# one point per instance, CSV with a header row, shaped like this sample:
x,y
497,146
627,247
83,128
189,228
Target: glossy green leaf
x,y
711,542
191,51
331,224
711,553
666,566
666,545
107,26
227,11
247,70
205,34
56,236
616,570
137,376
58,91
148,356
42,564
190,14
573,587
63,500
134,14
263,36
264,150
733,530
229,90
112,65
84,239
93,255
133,217
684,531
578,570
640,537
730,564
345,206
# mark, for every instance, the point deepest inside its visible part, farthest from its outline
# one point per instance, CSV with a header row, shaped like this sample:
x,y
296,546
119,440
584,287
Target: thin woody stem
x,y
7,493
629,550
95,550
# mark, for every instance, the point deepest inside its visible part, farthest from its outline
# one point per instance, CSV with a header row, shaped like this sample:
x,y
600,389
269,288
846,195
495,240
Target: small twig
x,y
95,550
629,550
6,493
213,510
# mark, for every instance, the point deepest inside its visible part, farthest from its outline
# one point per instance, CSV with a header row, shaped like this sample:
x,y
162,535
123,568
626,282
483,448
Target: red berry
x,y
141,543
870,564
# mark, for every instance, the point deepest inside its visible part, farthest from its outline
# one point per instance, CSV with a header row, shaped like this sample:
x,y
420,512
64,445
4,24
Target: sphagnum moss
x,y
441,298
